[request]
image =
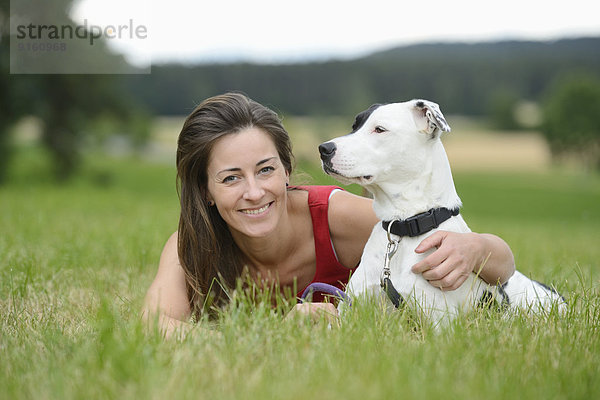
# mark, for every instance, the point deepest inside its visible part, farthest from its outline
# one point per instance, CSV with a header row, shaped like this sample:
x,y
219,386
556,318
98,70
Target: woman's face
x,y
247,182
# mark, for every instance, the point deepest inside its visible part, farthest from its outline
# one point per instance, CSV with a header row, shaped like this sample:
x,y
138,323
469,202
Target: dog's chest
x,y
368,274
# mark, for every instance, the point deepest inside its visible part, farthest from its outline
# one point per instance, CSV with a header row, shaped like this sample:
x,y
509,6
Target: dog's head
x,y
388,141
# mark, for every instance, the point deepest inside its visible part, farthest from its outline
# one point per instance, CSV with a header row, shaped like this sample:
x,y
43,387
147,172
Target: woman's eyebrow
x,y
233,169
266,160
236,169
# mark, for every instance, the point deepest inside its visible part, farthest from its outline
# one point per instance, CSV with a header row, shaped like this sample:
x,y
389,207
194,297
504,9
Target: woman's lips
x,y
256,211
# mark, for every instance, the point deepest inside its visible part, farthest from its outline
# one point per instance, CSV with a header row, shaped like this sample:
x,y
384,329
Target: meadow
x,y
77,258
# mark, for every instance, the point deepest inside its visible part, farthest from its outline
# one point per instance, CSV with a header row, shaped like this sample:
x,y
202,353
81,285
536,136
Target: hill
x,y
465,78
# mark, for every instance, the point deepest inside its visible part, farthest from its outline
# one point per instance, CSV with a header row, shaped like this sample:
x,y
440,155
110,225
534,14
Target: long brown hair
x,y
207,252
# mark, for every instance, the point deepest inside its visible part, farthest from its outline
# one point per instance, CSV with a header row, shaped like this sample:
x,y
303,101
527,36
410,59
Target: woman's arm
x,y
351,220
166,300
460,254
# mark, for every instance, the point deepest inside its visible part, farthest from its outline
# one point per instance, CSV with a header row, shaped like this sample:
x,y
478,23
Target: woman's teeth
x,y
257,211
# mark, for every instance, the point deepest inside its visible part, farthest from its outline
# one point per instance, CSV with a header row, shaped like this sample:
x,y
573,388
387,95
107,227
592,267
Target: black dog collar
x,y
420,223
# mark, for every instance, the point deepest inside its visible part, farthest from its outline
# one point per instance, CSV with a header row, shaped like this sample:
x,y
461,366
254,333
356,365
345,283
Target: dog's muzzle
x,y
327,151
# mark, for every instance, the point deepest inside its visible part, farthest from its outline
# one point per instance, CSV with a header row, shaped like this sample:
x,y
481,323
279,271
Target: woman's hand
x,y
316,311
458,255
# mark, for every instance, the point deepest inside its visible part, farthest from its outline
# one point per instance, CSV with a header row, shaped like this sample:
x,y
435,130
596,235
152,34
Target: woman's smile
x,y
256,211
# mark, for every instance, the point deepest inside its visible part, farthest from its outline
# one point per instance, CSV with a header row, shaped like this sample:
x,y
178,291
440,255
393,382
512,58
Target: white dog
x,y
395,151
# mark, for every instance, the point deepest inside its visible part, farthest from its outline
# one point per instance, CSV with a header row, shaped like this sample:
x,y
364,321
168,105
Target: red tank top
x,y
328,268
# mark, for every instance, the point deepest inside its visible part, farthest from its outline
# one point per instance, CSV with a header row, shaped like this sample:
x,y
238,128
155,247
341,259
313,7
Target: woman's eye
x,y
379,129
266,170
229,179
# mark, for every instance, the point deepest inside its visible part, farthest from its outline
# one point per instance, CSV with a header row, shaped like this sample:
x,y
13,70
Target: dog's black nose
x,y
327,150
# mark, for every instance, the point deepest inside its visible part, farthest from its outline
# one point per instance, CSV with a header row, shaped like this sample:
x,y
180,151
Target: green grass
x,y
76,259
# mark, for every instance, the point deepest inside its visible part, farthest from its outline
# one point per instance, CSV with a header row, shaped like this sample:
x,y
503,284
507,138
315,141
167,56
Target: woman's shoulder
x,y
343,203
351,219
349,212
317,192
169,253
171,243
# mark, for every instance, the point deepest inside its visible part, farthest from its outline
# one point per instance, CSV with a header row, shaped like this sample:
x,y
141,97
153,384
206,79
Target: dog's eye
x,y
379,129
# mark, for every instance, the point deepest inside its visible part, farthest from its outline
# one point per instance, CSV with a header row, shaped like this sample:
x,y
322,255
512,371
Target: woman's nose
x,y
253,190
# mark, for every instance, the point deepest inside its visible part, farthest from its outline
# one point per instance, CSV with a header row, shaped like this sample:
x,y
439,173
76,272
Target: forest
x,y
467,79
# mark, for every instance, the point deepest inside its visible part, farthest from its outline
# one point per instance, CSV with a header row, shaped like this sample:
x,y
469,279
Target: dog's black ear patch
x,y
420,104
363,117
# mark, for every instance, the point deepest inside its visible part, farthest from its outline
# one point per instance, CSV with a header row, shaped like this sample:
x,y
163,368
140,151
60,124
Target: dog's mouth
x,y
367,179
361,180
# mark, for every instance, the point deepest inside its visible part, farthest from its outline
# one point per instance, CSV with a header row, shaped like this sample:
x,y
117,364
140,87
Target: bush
x,y
572,119
501,110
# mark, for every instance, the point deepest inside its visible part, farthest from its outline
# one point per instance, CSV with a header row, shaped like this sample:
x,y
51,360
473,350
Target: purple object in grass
x,y
327,289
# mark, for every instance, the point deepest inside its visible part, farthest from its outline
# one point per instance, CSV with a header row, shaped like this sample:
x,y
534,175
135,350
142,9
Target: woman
x,y
239,217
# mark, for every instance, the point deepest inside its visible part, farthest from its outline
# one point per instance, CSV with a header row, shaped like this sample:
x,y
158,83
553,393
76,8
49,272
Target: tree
x,y
70,105
8,114
572,118
502,108
67,104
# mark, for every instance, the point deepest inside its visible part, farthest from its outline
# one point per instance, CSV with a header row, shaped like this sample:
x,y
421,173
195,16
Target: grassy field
x,y
471,144
76,259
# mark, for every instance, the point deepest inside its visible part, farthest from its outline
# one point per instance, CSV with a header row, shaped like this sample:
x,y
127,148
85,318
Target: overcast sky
x,y
280,31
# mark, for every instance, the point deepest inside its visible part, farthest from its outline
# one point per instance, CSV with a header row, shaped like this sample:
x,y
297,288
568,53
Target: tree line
x,y
465,78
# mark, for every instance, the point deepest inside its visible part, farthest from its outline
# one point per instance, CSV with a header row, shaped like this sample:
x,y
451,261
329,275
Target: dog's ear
x,y
429,118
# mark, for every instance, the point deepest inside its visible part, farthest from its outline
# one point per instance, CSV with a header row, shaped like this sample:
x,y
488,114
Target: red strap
x,y
328,268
